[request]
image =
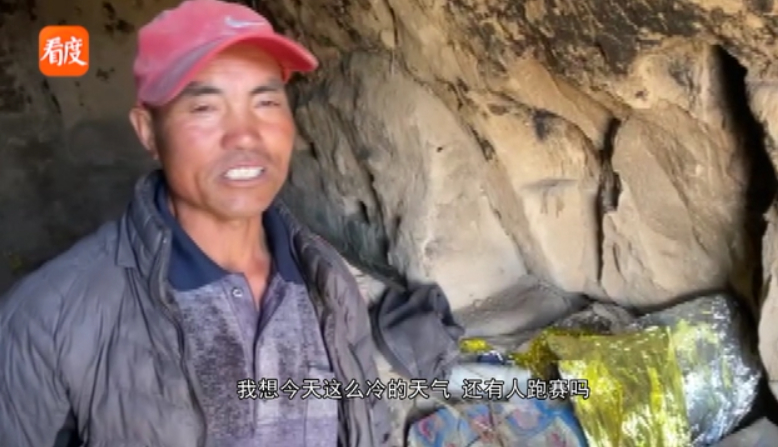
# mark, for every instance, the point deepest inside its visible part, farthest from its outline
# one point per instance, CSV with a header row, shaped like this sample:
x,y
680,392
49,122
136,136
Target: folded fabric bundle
x,y
520,422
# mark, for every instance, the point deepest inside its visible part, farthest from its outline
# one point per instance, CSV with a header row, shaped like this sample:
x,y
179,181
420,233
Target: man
x,y
144,333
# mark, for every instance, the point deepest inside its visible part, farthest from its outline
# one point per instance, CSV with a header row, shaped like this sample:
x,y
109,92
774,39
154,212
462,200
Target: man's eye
x,y
201,108
268,103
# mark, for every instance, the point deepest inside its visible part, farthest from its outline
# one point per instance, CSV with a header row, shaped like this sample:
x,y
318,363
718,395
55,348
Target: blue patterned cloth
x,y
520,423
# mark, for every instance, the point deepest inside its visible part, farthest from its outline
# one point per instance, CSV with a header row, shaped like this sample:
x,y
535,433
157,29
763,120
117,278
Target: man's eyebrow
x,y
199,89
275,85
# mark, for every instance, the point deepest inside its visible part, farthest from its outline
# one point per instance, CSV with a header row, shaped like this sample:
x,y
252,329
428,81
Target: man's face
x,y
225,142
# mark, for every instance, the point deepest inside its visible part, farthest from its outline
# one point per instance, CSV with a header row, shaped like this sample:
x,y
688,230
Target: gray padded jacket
x,y
92,351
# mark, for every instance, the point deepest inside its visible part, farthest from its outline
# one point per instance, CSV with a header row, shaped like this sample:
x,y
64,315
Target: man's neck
x,y
234,245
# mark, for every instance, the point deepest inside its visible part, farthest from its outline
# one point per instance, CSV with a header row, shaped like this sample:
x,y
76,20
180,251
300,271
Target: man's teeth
x,y
244,173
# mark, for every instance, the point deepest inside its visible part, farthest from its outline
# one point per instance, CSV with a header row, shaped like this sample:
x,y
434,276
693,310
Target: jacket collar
x,y
143,233
145,244
147,236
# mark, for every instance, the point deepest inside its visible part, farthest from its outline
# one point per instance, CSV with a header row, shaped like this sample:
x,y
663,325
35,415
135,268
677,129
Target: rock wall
x,y
625,150
68,156
613,141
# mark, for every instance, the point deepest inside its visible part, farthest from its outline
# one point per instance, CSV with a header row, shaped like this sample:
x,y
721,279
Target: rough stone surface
x,y
68,156
622,141
617,158
624,150
417,178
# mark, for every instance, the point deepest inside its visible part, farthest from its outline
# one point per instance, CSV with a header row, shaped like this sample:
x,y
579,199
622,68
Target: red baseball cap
x,y
176,44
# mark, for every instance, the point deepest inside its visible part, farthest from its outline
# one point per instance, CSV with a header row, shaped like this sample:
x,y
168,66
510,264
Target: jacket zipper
x,y
325,321
326,316
194,387
371,401
326,311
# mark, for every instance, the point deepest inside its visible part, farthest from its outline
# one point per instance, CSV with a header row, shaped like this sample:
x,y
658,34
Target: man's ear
x,y
143,123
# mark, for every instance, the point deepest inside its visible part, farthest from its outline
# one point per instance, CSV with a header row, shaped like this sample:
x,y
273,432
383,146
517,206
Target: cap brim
x,y
291,56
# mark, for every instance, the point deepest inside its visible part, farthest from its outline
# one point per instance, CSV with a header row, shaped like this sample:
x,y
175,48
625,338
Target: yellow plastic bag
x,y
474,346
635,386
538,357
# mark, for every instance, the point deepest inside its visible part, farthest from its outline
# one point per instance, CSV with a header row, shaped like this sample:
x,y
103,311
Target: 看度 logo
x,y
63,50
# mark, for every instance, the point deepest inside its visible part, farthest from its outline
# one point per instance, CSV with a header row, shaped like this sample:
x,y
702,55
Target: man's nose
x,y
242,132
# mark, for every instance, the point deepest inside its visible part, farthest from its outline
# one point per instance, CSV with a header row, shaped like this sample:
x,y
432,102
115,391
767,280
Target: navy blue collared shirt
x,y
231,340
190,268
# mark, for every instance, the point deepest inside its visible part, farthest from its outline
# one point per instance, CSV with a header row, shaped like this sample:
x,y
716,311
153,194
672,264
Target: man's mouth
x,y
244,173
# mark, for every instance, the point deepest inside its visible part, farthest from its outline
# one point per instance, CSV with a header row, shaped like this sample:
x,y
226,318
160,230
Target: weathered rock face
x,y
620,142
68,157
415,183
615,150
619,149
